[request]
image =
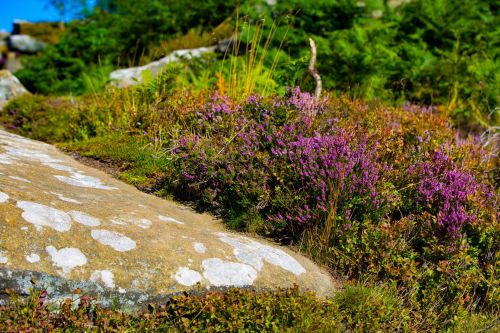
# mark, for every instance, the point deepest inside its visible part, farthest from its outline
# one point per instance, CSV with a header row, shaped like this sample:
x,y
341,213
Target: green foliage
x,y
133,159
442,52
51,72
121,38
425,51
161,86
370,309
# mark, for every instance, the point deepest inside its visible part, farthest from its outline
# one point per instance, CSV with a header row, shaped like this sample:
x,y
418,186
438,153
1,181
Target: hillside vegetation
x,y
388,179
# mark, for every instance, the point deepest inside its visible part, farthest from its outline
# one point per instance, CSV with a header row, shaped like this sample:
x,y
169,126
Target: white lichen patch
x,y
66,199
80,180
118,222
84,218
59,167
3,197
169,219
199,247
21,179
33,258
113,239
66,258
187,277
105,277
3,258
141,223
253,253
144,223
6,159
19,151
222,273
44,216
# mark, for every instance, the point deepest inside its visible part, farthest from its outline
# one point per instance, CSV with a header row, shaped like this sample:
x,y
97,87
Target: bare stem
x,y
312,70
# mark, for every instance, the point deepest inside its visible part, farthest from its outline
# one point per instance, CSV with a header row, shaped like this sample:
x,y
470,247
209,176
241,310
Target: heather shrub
x,y
275,164
369,191
39,117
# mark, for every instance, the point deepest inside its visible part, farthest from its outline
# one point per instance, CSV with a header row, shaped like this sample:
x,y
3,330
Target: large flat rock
x,y
71,226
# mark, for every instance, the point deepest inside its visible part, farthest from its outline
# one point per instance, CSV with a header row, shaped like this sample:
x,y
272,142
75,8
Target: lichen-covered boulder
x,y
10,87
71,226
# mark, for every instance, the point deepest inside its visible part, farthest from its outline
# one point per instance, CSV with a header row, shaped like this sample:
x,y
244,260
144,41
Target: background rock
x,y
134,75
10,87
25,44
231,45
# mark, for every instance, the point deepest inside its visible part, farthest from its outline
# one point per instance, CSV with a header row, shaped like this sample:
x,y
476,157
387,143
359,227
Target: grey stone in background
x,y
25,44
134,75
10,87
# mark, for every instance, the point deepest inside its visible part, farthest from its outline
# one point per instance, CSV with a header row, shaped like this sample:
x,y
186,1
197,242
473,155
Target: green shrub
x,y
40,117
426,52
357,308
124,37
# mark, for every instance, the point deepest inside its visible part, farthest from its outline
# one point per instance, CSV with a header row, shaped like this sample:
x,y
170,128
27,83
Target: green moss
x,y
131,157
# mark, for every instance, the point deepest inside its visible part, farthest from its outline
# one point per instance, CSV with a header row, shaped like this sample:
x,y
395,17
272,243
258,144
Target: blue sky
x,y
30,10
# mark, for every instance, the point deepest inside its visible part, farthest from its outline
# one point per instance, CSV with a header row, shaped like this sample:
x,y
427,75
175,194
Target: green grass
x,y
132,157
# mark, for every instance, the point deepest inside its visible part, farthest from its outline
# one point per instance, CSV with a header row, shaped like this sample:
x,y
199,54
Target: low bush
x,y
389,194
236,310
357,308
